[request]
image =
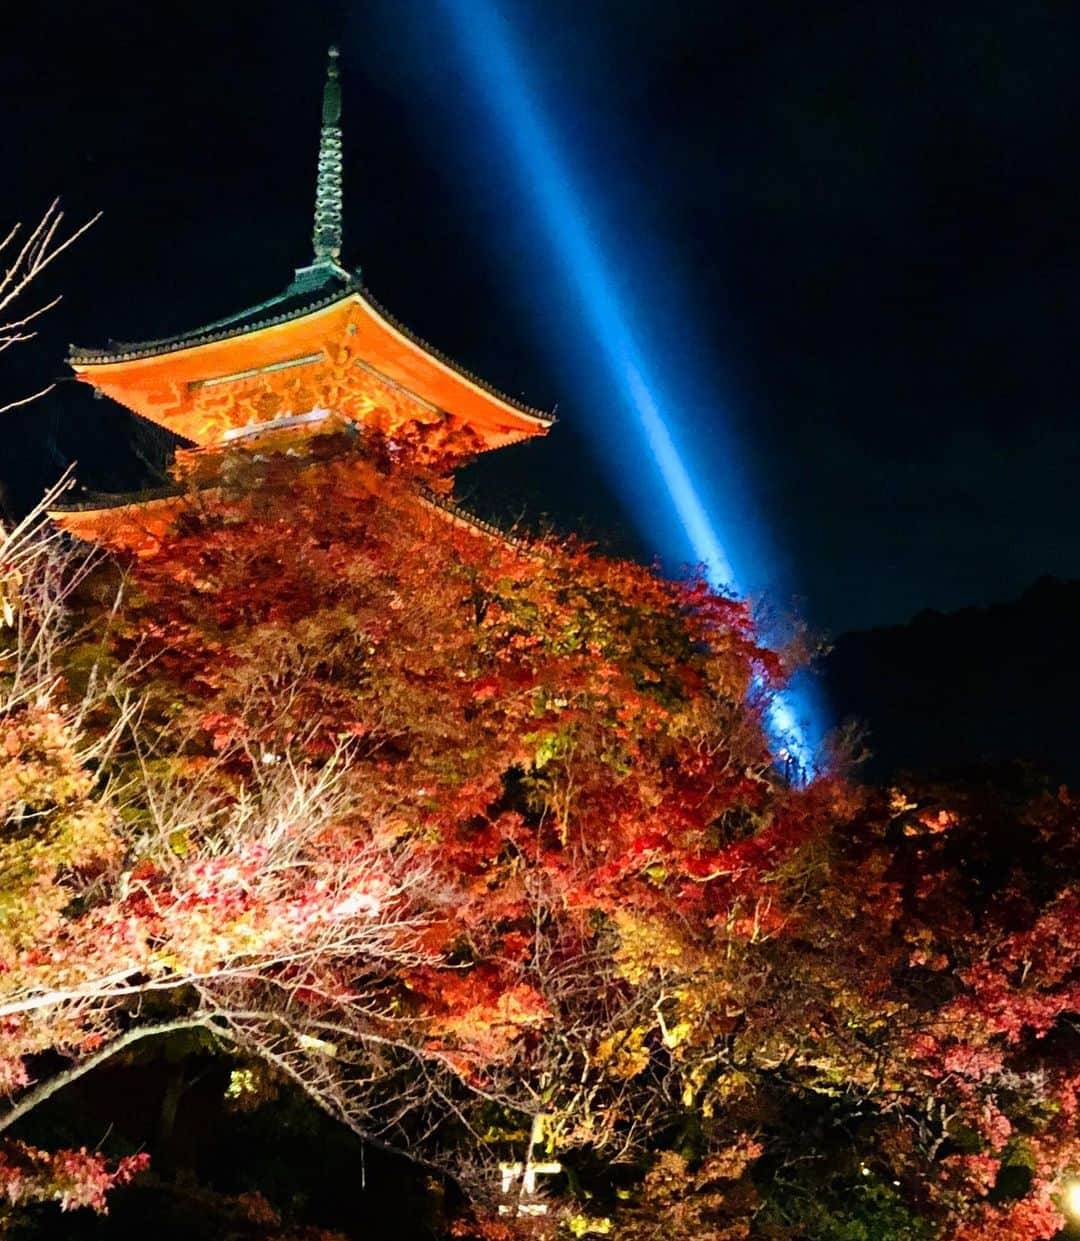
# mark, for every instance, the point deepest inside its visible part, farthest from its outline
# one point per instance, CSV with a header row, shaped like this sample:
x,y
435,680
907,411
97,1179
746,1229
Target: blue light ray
x,y
488,46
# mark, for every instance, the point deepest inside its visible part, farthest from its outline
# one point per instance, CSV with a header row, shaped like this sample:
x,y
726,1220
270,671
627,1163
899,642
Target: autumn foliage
x,y
449,832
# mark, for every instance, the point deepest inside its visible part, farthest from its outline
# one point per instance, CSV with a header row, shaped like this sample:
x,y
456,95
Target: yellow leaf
x,y
588,1225
623,1055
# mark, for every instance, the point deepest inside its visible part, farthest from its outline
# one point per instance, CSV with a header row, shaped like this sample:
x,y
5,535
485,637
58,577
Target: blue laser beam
x,y
488,46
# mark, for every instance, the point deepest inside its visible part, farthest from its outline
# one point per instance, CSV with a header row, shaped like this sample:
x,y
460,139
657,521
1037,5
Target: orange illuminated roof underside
x,y
347,357
139,526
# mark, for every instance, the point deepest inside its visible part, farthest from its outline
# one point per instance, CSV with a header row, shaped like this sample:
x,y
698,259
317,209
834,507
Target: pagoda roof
x,y
137,520
305,295
323,344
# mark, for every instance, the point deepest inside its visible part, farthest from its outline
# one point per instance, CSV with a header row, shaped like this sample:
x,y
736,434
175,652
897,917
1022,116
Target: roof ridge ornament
x,y
328,186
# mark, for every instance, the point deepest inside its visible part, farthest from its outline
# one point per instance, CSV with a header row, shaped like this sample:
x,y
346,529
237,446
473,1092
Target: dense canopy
x,y
477,844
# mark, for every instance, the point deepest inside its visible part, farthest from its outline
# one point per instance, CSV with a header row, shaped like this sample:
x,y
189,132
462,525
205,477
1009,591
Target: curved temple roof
x,y
327,344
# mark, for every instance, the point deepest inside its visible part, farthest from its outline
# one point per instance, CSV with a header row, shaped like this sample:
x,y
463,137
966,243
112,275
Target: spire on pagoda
x,y
328,192
323,347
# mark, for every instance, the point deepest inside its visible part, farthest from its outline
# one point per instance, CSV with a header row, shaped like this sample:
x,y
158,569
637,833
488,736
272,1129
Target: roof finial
x,y
328,200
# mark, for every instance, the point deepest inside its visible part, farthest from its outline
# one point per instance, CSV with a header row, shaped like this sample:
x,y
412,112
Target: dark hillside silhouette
x,y
978,686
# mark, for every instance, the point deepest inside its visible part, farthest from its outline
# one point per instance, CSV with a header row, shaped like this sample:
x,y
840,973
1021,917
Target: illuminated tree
x,y
479,844
398,808
957,993
120,891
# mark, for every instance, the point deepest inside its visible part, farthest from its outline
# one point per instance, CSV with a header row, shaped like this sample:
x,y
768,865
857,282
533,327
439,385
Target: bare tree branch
x,y
23,265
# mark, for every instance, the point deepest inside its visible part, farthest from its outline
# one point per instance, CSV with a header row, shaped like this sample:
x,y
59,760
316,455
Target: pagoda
x,y
322,354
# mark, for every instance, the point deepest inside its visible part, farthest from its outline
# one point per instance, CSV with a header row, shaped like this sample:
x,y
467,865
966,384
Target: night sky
x,y
854,224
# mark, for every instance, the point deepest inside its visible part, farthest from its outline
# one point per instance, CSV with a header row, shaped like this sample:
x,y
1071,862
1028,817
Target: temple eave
x,y
134,524
138,522
351,321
